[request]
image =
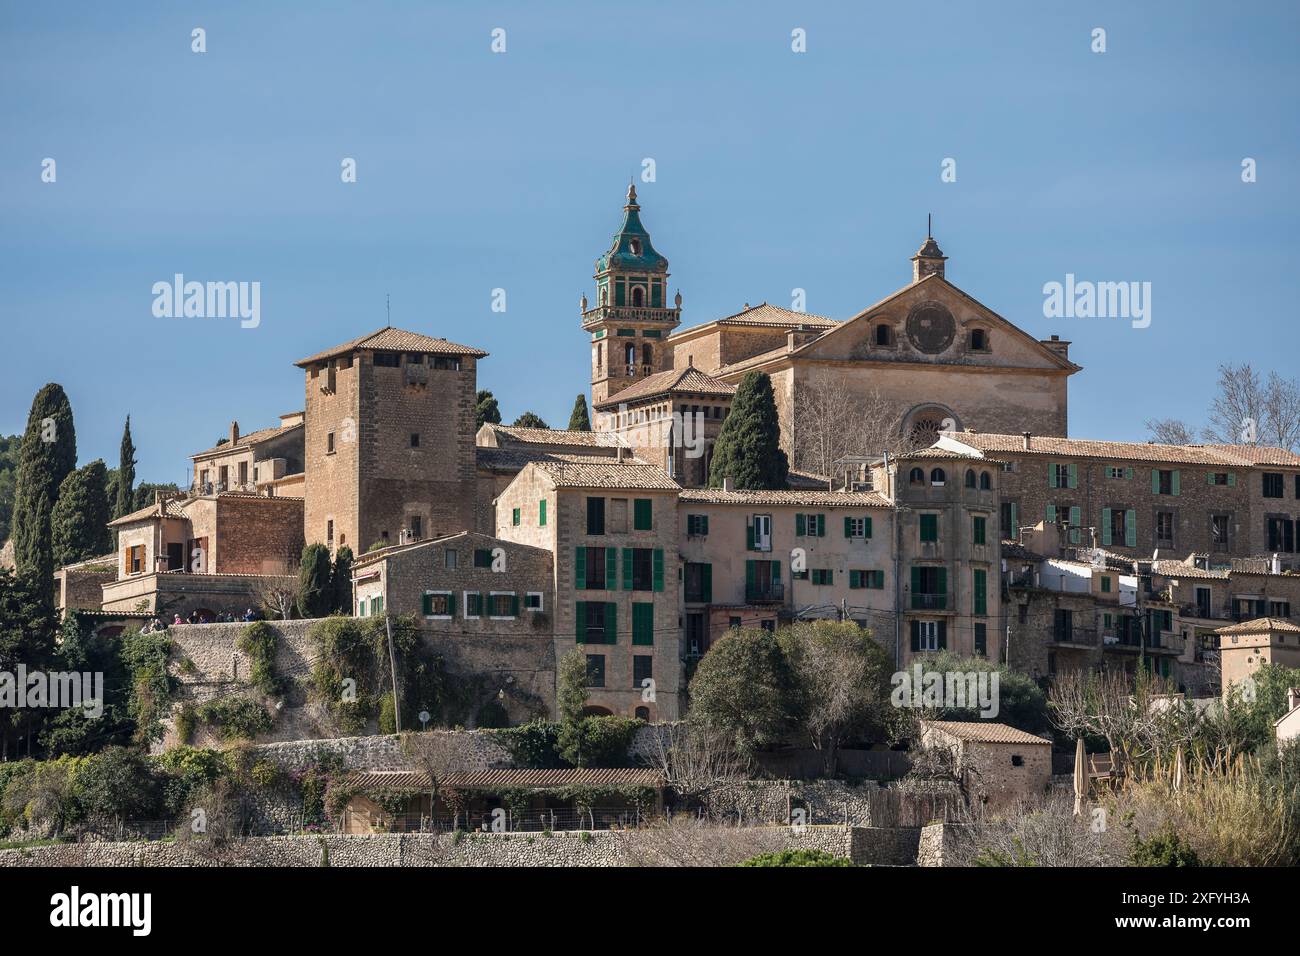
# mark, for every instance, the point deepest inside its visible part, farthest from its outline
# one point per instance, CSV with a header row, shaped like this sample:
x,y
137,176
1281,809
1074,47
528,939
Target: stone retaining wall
x,y
597,848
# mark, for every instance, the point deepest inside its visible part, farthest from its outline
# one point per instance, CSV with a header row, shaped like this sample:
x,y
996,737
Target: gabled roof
x,y
1240,456
170,508
590,471
984,732
379,554
761,315
545,436
390,339
689,379
247,441
1260,625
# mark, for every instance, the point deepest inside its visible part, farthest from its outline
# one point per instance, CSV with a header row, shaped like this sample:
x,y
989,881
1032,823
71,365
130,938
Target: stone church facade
x,y
934,355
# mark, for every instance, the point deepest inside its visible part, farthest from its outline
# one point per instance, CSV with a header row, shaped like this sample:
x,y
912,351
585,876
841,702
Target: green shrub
x,y
1163,848
259,642
797,858
236,717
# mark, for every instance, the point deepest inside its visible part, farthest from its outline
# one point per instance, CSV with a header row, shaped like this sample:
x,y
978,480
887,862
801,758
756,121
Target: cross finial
x,y
631,191
929,226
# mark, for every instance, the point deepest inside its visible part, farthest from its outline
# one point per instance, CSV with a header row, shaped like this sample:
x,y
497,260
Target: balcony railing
x,y
770,593
1075,635
929,602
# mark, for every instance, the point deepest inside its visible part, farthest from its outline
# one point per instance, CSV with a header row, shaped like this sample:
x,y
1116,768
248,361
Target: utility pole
x,y
392,663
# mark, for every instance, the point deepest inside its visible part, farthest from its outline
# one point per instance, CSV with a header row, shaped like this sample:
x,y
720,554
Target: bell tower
x,y
631,317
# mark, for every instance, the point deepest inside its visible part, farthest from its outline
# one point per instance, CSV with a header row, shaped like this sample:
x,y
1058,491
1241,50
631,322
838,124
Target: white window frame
x,y
541,601
929,636
464,596
857,527
763,543
499,617
439,617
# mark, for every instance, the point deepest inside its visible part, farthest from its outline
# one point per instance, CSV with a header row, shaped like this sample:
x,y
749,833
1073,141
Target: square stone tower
x,y
389,440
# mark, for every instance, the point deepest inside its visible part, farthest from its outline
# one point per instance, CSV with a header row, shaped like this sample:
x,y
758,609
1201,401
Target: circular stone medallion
x,y
931,328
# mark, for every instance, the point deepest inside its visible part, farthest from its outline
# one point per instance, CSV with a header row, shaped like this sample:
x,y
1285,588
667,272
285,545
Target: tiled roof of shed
x,y
394,340
560,777
985,732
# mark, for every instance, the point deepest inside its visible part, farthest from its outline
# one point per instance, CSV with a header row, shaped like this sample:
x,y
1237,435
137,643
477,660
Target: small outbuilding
x,y
999,765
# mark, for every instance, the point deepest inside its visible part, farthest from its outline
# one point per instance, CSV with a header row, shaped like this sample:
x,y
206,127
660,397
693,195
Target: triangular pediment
x,y
931,323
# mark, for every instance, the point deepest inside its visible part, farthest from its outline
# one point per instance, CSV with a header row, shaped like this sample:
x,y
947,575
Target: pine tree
x,y
79,522
315,598
125,474
748,448
530,420
579,420
486,410
341,579
47,456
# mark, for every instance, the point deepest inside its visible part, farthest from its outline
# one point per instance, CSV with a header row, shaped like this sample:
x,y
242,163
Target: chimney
x,y
726,484
1276,566
622,454
234,432
1027,436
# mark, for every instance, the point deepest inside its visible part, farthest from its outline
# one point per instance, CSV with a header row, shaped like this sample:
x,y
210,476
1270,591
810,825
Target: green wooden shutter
x,y
514,605
1232,479
981,591
1176,480
659,569
1051,475
642,510
580,621
1105,526
612,583
749,534
611,623
1155,481
821,526
706,583
749,578
1130,528
916,635
1073,475
866,526
1051,514
943,580
1128,473
704,520
541,512
1076,519
800,525
451,604
643,624
776,572
943,635
580,568
1015,522
848,527
916,579
427,604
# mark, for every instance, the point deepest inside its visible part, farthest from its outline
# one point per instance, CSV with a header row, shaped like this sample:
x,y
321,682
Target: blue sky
x,y
774,170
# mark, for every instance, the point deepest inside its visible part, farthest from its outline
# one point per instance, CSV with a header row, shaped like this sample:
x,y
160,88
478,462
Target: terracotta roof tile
x,y
252,438
985,732
827,499
1261,625
688,379
1213,455
394,340
764,314
547,436
590,471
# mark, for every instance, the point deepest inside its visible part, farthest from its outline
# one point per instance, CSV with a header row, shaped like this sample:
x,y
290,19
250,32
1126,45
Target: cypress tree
x,y
315,598
579,420
79,522
486,410
530,420
48,455
748,448
341,582
125,474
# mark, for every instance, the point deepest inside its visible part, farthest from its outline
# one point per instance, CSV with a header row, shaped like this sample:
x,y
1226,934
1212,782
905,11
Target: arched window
x,y
647,354
643,713
979,340
986,482
970,477
937,477
884,335
629,354
916,477
604,297
638,295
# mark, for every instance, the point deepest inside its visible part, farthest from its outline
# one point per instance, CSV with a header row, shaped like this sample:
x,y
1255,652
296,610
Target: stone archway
x,y
924,422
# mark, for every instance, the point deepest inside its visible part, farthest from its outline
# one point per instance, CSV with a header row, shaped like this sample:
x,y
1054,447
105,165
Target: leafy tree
x,y
744,691
341,579
579,419
570,701
144,492
315,590
485,409
47,456
27,628
119,783
748,448
122,504
79,522
1021,702
530,420
71,731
